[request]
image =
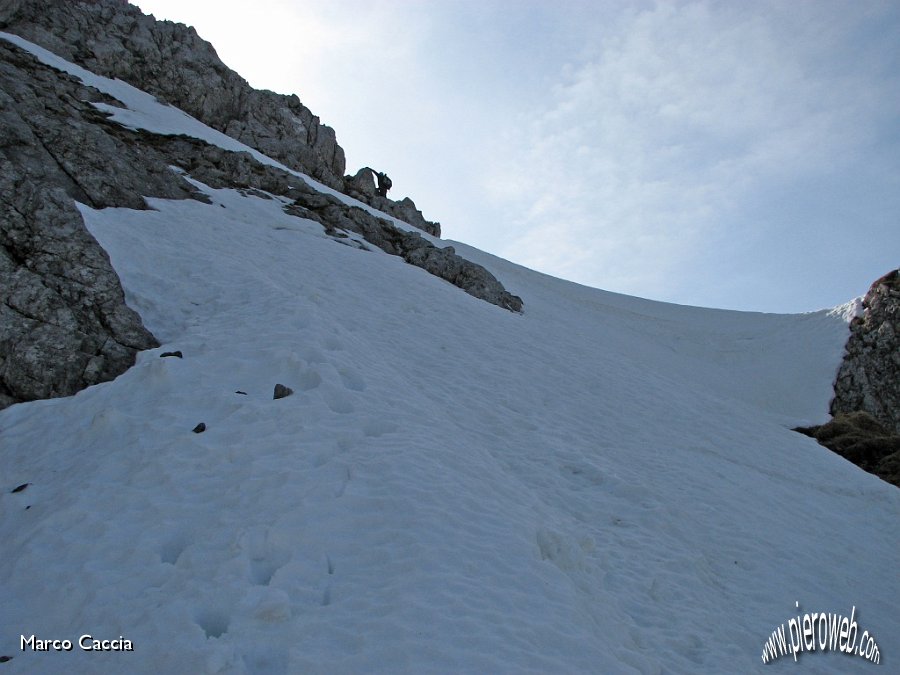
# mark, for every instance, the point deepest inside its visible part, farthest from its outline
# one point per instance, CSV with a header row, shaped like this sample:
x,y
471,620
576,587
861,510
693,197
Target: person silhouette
x,y
384,184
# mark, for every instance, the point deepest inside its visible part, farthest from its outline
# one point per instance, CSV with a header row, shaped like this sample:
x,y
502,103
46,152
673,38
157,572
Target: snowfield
x,y
601,484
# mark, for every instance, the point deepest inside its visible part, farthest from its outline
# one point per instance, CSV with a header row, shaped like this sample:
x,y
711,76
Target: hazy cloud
x,y
648,150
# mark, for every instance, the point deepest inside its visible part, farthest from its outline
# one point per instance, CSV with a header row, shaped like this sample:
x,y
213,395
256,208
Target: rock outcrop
x,y
64,323
362,187
869,377
219,168
865,427
170,61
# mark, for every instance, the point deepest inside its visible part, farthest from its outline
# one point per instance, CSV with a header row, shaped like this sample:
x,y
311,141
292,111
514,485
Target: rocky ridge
x,y
869,377
169,60
865,424
362,187
64,323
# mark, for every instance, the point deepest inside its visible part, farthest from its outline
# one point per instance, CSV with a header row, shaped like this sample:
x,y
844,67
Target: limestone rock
x,y
362,187
170,61
55,137
64,323
406,211
473,279
869,377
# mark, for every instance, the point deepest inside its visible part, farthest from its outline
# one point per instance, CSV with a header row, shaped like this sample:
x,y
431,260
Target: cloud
x,y
647,151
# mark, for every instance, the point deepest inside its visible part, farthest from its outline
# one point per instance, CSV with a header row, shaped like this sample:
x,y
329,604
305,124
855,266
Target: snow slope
x,y
601,484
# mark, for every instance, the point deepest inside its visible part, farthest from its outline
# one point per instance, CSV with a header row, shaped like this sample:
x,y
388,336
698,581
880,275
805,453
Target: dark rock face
x,y
55,137
869,377
170,61
64,323
865,427
859,438
472,278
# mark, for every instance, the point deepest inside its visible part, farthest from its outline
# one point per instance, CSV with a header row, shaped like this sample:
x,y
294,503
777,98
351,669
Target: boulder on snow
x,y
282,392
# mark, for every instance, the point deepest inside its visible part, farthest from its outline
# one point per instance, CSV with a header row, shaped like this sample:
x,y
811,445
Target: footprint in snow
x,y
214,622
352,380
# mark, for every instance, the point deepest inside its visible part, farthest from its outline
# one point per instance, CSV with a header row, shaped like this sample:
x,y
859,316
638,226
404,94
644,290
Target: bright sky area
x,y
723,154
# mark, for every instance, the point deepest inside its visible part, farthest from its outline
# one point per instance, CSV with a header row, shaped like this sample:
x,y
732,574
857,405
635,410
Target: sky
x,y
721,154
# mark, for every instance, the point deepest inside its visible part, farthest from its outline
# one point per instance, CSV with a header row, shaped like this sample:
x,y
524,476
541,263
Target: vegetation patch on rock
x,y
859,438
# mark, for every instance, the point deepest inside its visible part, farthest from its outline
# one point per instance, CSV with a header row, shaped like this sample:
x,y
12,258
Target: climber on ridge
x,y
384,183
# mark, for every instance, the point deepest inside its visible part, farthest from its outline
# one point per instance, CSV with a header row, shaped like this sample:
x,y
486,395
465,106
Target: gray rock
x,y
446,264
362,187
220,168
64,323
55,137
869,377
406,211
282,392
170,61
